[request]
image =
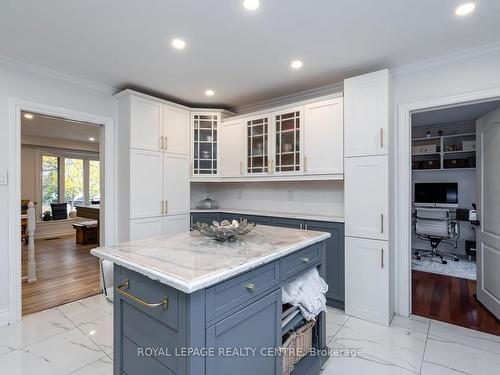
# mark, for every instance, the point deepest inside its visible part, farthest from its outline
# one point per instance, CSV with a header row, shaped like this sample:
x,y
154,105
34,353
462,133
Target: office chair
x,y
435,225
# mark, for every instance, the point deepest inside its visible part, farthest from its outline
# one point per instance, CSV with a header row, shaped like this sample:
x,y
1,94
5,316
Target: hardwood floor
x,y
66,272
451,300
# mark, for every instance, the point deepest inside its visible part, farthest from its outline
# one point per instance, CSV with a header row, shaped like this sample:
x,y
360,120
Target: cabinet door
x,y
257,145
288,142
288,223
206,218
146,183
176,130
231,147
256,326
367,197
324,137
335,261
205,141
367,280
176,183
145,124
175,224
366,114
146,228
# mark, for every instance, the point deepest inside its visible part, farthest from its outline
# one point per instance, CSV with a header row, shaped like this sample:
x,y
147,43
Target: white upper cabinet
x,y
288,141
324,137
176,184
366,114
231,148
146,183
145,124
257,145
205,139
366,192
176,130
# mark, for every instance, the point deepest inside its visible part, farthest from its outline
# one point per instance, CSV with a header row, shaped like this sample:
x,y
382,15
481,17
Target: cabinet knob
x,y
250,286
305,259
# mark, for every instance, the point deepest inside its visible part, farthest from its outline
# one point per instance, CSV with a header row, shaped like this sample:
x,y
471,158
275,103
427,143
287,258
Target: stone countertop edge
x,y
208,280
287,215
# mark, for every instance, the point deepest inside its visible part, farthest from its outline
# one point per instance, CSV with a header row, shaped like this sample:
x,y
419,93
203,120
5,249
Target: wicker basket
x,y
287,351
303,341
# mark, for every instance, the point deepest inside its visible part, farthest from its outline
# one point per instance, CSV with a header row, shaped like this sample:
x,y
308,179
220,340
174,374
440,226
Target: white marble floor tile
x,y
86,310
33,328
395,345
364,364
443,356
103,366
100,332
57,355
461,335
335,319
415,323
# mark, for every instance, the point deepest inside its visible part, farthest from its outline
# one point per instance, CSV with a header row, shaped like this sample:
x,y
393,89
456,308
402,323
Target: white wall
x,y
41,88
304,197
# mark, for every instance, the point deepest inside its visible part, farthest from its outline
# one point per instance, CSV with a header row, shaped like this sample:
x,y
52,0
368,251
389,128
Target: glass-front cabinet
x,y
258,161
288,138
205,127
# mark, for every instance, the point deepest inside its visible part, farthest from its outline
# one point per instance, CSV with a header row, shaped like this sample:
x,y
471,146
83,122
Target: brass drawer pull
x,y
305,259
125,286
250,286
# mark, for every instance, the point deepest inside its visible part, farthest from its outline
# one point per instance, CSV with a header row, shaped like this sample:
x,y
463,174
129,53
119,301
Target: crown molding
x,y
333,88
57,75
447,59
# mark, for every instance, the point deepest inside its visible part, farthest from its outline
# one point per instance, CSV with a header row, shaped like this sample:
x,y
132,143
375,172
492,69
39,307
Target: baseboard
x,y
4,317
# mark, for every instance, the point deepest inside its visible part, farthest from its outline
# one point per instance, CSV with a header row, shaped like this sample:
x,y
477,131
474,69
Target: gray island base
x,y
185,304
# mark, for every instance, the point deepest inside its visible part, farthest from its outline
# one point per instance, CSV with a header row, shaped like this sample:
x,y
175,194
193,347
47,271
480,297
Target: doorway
x,y
444,192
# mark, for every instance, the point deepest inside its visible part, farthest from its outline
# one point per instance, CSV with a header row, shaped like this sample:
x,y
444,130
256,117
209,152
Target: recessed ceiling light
x,y
178,44
209,92
296,64
29,116
91,139
251,4
465,9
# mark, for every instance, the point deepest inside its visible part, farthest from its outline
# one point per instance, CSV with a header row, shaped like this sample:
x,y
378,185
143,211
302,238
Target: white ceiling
x,y
244,56
53,127
463,113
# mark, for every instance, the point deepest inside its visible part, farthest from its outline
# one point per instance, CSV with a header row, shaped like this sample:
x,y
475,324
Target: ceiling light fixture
x,y
296,64
465,9
91,139
251,4
29,116
178,44
209,92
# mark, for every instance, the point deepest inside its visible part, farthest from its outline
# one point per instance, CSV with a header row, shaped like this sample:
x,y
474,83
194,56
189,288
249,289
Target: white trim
x,y
4,318
14,175
402,179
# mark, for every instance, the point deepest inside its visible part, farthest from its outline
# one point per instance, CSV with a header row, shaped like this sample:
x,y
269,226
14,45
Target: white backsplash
x,y
303,197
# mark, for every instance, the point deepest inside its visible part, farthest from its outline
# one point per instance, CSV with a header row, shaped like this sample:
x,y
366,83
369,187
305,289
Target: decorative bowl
x,y
225,230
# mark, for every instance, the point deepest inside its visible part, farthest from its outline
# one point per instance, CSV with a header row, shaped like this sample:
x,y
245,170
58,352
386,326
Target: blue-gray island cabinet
x,y
185,304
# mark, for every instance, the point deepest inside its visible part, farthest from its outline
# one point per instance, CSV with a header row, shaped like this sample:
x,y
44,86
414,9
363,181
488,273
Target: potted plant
x,y
47,216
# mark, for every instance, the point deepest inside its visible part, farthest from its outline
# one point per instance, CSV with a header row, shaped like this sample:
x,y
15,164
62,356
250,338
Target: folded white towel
x,y
307,292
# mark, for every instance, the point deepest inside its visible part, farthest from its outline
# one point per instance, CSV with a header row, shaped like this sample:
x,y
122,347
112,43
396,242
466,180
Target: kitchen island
x,y
186,304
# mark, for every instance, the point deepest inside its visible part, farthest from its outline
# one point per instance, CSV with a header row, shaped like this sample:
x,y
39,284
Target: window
x,y
50,181
94,181
73,181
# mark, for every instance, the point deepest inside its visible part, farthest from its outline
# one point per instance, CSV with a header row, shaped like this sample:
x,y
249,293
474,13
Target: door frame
x,y
402,197
107,154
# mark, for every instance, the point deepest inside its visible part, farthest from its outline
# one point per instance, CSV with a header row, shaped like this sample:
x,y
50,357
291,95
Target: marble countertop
x,y
189,261
290,215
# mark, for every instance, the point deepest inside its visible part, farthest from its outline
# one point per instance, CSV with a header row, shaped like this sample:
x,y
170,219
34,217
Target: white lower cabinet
x,y
367,279
146,228
176,224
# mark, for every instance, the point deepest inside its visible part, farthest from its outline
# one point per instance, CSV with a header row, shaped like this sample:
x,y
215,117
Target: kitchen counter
x,y
290,215
189,261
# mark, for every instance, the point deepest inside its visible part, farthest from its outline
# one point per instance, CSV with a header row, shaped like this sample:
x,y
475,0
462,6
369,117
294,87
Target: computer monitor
x,y
442,194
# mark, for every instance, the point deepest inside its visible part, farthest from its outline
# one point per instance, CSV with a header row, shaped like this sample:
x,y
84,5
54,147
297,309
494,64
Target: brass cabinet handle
x,y
305,259
166,207
250,286
305,163
162,207
241,167
161,142
122,288
381,223
381,137
382,258
165,143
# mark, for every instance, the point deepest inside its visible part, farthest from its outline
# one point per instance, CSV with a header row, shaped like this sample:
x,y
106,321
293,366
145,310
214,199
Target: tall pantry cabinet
x,y
368,254
152,166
